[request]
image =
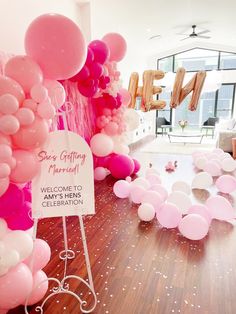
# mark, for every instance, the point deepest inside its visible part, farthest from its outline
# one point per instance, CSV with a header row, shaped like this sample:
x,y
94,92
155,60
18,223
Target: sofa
x,y
225,130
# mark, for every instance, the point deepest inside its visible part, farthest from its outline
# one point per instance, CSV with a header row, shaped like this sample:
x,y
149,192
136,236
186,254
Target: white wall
x,y
16,15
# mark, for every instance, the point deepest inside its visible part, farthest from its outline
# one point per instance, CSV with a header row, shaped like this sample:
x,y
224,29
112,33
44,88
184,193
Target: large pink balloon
x,y
41,255
121,166
32,136
226,183
117,46
194,227
169,215
40,287
57,45
220,208
15,286
9,86
201,210
27,166
25,71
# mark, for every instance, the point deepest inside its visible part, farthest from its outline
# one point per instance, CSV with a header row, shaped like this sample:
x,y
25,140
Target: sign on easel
x,y
65,185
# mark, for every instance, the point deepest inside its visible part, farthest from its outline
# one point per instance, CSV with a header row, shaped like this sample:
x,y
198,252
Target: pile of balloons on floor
x,y
176,209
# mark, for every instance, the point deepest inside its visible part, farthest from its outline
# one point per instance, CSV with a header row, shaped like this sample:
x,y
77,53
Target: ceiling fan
x,y
197,35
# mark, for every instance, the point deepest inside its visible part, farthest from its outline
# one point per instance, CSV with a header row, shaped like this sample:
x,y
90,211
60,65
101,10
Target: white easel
x,y
62,286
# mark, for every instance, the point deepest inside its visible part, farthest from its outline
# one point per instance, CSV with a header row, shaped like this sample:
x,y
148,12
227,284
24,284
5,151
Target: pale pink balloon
x,y
56,43
39,93
146,212
40,256
2,311
111,128
201,210
31,104
117,46
9,86
193,227
152,171
40,287
125,96
169,215
5,152
46,111
141,182
4,184
136,193
212,168
15,286
161,190
5,170
226,183
56,92
5,139
25,116
100,173
220,208
121,188
8,104
27,166
153,179
154,198
25,71
32,136
9,124
101,145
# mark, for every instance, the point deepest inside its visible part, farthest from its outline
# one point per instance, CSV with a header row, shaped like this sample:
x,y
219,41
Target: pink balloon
x,y
136,193
121,189
169,215
8,104
193,227
56,92
201,210
31,104
40,287
39,93
22,220
100,173
137,166
9,86
220,208
41,255
32,136
25,71
212,168
125,97
11,201
161,190
226,183
153,179
25,116
101,145
153,198
121,166
96,70
5,152
5,139
111,128
57,45
15,286
46,111
27,166
116,45
4,184
100,51
5,170
9,124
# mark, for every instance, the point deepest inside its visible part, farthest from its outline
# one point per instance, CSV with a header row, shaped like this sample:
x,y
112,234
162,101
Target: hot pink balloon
x,y
25,116
220,208
193,227
169,215
125,97
41,255
9,86
27,166
153,198
121,166
116,45
9,124
137,166
100,51
201,210
56,92
136,193
4,184
11,201
226,183
32,136
15,286
121,188
96,70
25,71
100,173
40,287
8,104
22,220
56,43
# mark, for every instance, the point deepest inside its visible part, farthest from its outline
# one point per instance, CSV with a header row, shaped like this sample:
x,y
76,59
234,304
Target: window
x,y
166,64
224,106
166,112
227,61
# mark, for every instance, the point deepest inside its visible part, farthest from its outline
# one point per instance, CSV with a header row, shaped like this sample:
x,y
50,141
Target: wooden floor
x,y
141,268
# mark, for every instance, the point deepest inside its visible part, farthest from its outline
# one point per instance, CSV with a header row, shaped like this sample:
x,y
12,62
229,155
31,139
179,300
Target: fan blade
x,y
203,32
206,37
185,38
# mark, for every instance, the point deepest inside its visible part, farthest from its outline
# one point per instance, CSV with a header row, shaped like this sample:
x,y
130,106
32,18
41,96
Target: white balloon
x,y
228,164
181,200
146,212
120,148
200,162
181,186
20,241
151,171
11,258
153,179
136,193
202,180
212,168
141,182
3,228
132,119
161,190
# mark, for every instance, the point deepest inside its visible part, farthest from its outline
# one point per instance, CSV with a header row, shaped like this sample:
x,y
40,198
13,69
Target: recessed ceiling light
x,y
154,37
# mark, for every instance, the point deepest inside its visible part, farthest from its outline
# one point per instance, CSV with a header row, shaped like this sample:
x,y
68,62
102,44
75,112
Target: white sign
x,y
65,185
